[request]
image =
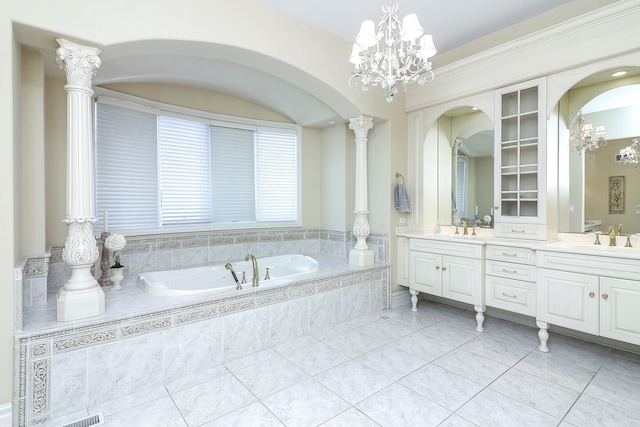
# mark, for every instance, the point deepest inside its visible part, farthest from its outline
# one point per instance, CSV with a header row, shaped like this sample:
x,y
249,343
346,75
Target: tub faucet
x,y
254,262
229,267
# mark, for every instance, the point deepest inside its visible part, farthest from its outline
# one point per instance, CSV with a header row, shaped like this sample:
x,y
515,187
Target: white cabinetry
x,y
594,294
402,276
520,173
447,269
510,281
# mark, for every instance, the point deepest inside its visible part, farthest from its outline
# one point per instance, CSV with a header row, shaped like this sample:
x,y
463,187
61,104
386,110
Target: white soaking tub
x,y
217,279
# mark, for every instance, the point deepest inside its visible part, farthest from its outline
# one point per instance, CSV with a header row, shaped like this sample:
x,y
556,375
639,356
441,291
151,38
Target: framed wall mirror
x,y
610,101
465,144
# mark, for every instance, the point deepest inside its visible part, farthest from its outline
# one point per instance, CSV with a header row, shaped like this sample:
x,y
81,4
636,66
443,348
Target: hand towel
x,y
402,199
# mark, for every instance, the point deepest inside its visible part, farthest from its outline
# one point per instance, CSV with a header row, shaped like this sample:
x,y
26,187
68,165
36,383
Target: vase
x,y
116,278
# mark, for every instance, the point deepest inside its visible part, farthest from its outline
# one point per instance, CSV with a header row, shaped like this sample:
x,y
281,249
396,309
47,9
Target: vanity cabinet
x,y
447,269
510,281
592,294
519,164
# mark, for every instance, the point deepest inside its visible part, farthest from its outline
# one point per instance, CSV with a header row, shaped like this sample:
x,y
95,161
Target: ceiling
x,y
452,24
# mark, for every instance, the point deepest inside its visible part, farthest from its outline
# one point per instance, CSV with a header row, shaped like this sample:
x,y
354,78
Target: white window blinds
x,y
232,166
184,171
276,176
126,170
160,169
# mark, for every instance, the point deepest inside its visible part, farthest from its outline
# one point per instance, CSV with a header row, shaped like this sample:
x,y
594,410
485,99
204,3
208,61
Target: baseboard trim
x,y
402,297
6,413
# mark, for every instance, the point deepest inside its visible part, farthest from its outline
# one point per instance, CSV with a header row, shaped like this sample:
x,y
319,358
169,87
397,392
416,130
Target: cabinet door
x,y
519,153
425,272
568,299
462,279
403,261
620,309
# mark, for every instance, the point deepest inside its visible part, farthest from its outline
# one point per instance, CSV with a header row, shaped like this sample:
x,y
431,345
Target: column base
x,y
74,305
361,258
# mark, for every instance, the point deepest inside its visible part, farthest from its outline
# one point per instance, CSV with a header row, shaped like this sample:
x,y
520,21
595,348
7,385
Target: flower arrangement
x,y
115,243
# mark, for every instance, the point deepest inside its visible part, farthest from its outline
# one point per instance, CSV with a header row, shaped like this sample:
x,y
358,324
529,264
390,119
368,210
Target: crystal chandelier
x,y
630,154
583,137
391,53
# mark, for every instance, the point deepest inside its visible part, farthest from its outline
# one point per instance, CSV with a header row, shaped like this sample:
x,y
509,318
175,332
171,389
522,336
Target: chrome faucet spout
x,y
254,262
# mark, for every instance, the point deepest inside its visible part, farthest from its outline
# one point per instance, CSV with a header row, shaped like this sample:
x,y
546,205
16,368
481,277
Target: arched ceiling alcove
x,y
228,70
248,75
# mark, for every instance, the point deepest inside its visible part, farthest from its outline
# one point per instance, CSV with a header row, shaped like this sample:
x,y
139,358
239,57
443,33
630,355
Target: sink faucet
x,y
254,262
464,228
612,237
620,229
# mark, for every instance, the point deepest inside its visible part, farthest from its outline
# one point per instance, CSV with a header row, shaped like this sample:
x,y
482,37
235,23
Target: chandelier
x,y
630,154
391,53
582,136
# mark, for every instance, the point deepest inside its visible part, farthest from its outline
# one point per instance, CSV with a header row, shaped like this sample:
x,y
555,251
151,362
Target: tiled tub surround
x,y
144,341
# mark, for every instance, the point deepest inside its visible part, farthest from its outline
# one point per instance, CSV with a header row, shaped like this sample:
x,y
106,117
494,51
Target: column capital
x,y
79,62
360,126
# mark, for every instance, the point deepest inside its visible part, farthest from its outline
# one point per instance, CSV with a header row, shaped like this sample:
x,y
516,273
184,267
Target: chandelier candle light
x,y
630,154
392,53
582,136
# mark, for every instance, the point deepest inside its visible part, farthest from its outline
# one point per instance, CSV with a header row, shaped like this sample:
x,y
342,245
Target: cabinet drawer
x,y
511,295
511,254
511,270
521,231
444,247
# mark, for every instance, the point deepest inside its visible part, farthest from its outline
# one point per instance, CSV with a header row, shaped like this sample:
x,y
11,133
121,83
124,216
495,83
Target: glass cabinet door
x,y
519,140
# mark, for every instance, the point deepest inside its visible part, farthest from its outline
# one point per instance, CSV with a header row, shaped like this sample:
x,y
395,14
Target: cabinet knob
x,y
444,268
605,296
592,294
496,207
437,267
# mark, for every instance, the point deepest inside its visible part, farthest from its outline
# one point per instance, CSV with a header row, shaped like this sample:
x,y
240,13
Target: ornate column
x,y
361,255
81,296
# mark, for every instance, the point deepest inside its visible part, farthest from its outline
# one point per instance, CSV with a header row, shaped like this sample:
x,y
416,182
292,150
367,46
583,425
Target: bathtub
x,y
217,279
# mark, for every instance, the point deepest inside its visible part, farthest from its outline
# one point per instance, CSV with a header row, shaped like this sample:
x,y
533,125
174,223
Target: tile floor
x,y
429,368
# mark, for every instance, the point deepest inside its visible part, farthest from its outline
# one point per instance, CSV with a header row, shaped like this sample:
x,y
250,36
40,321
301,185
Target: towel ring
x,y
399,175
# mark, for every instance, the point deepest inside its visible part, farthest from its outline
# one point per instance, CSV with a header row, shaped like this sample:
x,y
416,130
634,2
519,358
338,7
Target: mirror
x,y
584,193
465,138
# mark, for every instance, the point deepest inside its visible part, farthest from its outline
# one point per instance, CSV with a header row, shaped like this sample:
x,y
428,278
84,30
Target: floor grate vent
x,y
90,421
389,315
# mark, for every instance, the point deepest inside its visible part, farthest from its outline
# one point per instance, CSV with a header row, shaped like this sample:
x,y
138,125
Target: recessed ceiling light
x,y
618,73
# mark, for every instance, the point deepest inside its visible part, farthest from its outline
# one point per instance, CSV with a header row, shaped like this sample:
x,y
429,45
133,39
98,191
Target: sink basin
x,y
606,248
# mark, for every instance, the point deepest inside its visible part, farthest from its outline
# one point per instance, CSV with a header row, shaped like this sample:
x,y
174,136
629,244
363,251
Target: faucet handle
x,y
628,244
597,242
266,276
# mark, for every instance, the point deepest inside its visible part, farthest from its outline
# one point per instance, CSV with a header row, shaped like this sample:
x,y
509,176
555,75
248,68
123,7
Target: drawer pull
x,y
444,268
517,231
508,270
509,295
605,296
437,267
509,254
592,294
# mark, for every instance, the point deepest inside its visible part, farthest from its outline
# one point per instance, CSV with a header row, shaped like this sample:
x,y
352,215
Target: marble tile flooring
x,y
429,368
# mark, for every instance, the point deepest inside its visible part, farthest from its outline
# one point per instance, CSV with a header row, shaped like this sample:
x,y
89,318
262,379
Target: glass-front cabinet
x,y
519,161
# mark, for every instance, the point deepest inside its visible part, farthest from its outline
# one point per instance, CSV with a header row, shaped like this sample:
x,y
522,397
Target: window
x,y
461,185
159,170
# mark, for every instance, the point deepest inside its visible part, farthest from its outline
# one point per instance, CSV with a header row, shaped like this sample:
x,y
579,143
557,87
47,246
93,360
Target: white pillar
x,y
81,296
361,255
